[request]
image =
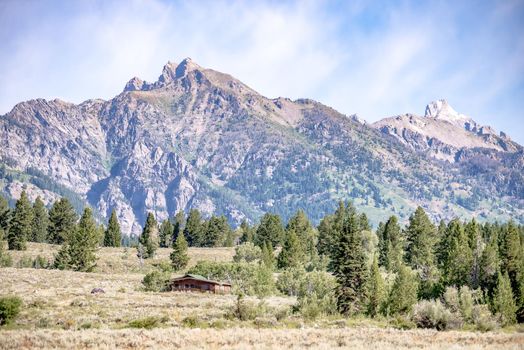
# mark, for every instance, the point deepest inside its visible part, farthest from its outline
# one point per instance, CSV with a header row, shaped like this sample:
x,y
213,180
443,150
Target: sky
x,y
373,58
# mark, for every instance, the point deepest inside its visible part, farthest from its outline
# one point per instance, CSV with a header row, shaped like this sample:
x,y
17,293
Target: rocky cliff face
x,y
200,138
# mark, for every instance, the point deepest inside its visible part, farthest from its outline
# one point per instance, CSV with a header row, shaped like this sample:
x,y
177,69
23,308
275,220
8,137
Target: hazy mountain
x,y
200,138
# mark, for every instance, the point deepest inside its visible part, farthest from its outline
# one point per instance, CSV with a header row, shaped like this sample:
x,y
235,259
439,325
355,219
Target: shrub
x,y
9,309
246,310
247,252
451,299
25,262
313,306
265,322
5,259
483,319
40,263
146,322
193,321
431,314
156,281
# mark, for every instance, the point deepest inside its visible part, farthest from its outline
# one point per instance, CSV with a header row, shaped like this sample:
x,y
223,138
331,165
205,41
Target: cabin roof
x,y
198,278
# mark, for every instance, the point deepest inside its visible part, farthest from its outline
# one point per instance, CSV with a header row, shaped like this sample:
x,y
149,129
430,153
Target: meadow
x,y
59,311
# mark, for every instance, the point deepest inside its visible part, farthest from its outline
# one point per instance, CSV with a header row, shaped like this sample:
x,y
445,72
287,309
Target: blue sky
x,y
376,59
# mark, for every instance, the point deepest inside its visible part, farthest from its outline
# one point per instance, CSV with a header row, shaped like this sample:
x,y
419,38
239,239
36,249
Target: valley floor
x,y
59,311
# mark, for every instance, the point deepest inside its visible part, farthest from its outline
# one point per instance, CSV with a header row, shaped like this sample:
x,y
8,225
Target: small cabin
x,y
197,283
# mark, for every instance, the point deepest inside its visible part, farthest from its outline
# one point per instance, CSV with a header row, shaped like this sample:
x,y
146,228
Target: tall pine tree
x,y
165,233
112,234
420,236
376,290
21,224
269,230
40,221
391,245
5,215
349,267
179,222
194,228
458,259
62,221
148,240
179,256
292,253
503,302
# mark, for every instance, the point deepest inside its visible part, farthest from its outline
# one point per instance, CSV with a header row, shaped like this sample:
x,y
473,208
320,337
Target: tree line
x,y
378,272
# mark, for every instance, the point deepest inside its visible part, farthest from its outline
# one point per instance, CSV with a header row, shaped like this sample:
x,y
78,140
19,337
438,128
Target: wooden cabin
x,y
197,283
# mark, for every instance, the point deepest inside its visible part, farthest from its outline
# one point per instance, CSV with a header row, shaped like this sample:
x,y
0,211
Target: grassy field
x,y
59,311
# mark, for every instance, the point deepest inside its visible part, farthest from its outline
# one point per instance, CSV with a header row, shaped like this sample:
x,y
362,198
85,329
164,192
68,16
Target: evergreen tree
x,y
165,233
376,290
511,253
179,256
350,270
78,252
364,222
270,230
40,221
5,215
420,235
503,302
215,231
112,235
404,292
149,238
458,260
306,234
292,254
326,235
476,245
62,221
247,233
21,223
391,245
193,229
489,266
268,258
179,223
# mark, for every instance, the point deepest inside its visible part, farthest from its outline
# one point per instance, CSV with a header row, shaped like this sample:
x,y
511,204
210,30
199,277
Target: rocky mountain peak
x,y
187,65
441,109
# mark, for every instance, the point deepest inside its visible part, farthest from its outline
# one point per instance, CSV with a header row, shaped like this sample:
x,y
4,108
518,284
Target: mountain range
x,y
198,138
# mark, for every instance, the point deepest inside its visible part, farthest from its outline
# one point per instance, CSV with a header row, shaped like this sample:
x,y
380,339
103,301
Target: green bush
x,y
193,321
483,319
25,262
156,281
40,263
247,252
147,322
5,259
313,306
9,309
431,314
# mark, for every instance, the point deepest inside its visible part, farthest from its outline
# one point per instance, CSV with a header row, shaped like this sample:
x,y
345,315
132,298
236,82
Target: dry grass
x,y
241,338
60,312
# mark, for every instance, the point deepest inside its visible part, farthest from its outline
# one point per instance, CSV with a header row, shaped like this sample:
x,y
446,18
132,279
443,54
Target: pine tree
x,y
391,245
503,302
472,231
62,221
292,254
179,223
5,215
489,266
215,231
458,260
404,292
247,233
21,224
350,270
40,221
376,290
193,229
269,230
165,233
179,256
78,252
420,235
268,258
112,235
510,253
149,238
306,235
326,235
364,222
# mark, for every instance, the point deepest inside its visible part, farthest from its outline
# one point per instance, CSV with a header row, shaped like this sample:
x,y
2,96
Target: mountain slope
x,y
200,138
